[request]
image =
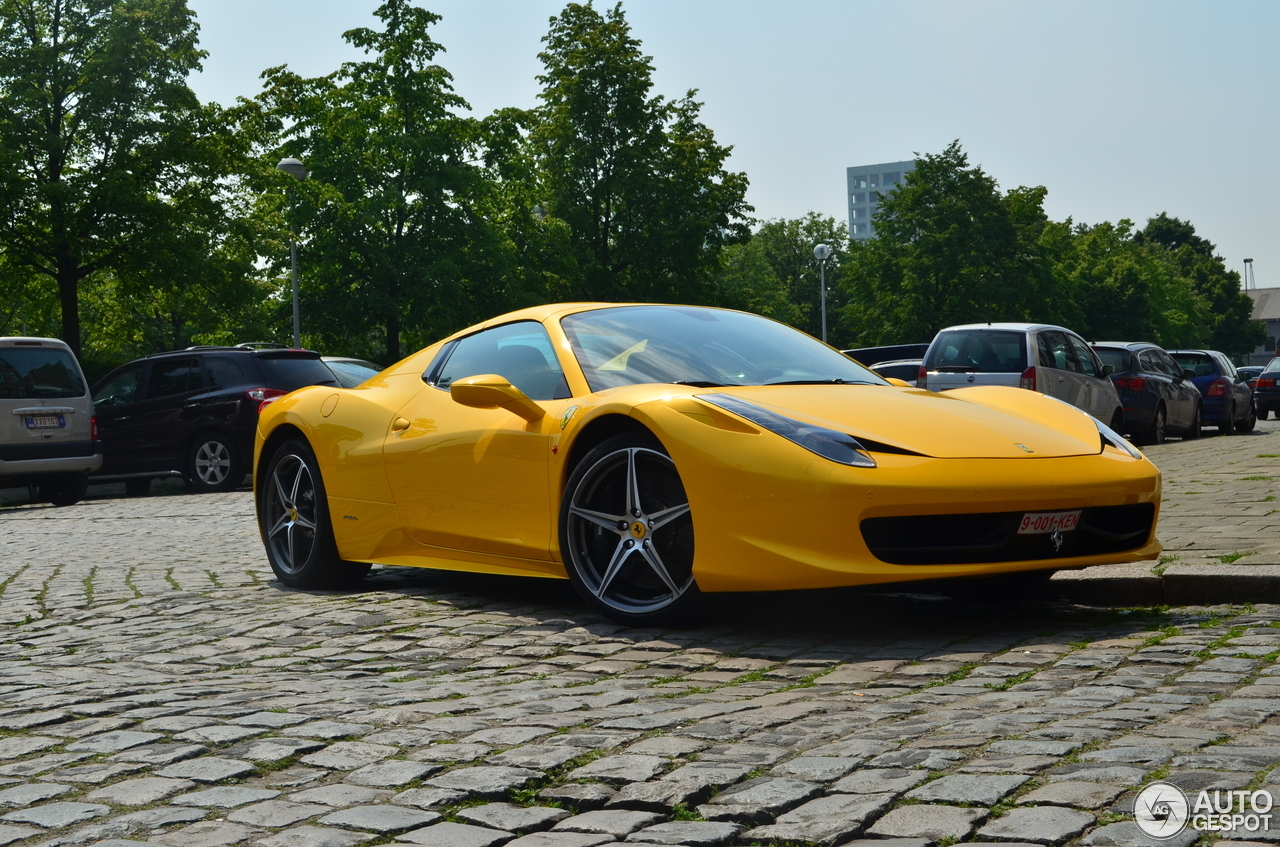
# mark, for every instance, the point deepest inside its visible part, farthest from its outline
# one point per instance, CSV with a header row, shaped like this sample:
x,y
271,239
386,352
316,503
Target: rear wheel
x,y
1197,421
214,464
1117,422
64,489
1262,414
1249,422
626,532
1156,433
293,515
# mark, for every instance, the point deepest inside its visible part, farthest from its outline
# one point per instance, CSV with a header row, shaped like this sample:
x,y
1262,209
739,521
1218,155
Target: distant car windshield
x,y
1272,367
27,373
978,351
1201,363
631,345
289,373
351,372
1117,359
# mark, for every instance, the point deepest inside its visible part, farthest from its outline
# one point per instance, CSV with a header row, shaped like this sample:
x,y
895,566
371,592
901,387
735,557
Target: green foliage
x,y
638,180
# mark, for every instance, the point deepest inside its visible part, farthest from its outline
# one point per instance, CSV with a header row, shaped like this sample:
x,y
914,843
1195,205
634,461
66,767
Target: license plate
x,y
1038,523
46,421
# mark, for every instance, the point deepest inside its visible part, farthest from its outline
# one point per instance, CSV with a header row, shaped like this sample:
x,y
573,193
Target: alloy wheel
x,y
213,462
630,532
291,513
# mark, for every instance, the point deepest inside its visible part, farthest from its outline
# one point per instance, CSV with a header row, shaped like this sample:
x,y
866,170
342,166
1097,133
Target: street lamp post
x,y
298,171
821,252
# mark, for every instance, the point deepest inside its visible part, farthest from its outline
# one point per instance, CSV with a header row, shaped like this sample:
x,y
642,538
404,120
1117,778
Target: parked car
x,y
1041,357
1266,393
48,434
192,413
351,372
1228,402
1157,394
907,370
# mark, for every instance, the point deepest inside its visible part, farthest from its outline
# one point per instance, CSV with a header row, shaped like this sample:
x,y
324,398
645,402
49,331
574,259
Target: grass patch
x,y
1256,478
955,676
681,812
1234,557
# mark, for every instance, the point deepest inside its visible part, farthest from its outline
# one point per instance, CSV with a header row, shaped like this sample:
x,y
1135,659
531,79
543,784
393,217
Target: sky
x,y
1120,109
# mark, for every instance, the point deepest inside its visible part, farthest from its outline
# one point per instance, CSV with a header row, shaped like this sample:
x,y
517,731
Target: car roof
x,y
1204,351
1128,345
32,341
1008,325
896,362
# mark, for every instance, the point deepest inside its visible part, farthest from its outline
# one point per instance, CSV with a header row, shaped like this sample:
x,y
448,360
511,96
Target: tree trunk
x,y
68,298
393,337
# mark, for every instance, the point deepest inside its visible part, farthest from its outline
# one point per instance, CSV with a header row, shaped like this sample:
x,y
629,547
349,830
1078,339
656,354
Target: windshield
x,y
978,351
1117,359
352,373
1201,363
704,347
1272,367
27,374
289,374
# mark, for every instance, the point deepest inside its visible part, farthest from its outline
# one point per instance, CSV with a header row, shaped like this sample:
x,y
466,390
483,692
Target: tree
x,y
1227,325
393,244
639,180
949,249
97,124
775,274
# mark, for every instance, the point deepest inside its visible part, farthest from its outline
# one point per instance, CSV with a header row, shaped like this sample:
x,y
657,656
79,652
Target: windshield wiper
x,y
702,383
833,381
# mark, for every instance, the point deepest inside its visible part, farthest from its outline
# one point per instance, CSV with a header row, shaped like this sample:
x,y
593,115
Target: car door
x,y
1097,394
477,479
1183,393
167,411
115,403
1059,375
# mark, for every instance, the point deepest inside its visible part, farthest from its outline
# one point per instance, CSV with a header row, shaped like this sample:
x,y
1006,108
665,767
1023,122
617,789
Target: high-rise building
x,y
867,183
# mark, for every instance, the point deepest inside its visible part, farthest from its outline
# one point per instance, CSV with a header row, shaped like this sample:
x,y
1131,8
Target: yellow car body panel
x,y
415,478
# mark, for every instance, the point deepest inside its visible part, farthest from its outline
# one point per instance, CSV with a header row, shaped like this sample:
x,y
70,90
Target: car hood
x,y
991,422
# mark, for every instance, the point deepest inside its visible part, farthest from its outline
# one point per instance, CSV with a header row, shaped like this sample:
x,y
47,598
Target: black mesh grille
x,y
992,536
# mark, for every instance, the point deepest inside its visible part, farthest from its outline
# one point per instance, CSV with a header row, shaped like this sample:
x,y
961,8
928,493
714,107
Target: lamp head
x,y
293,168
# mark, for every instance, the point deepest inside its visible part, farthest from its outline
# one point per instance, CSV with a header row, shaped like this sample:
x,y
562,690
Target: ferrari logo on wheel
x,y
637,529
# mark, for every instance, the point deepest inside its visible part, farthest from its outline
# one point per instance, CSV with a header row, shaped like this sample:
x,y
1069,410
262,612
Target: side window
x,y
1148,363
223,371
1166,361
1228,369
521,352
1085,362
121,389
1054,351
174,376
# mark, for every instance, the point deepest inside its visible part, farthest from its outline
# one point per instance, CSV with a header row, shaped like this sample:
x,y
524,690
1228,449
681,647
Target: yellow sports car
x,y
650,453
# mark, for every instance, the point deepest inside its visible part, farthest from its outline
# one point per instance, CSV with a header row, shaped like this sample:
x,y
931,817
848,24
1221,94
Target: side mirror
x,y
1187,373
1108,370
490,391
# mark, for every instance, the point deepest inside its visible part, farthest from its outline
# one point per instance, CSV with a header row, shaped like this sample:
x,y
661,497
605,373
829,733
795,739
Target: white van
x,y
48,434
1041,357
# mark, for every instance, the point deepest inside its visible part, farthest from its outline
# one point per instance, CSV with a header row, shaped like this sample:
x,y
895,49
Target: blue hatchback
x,y
1228,402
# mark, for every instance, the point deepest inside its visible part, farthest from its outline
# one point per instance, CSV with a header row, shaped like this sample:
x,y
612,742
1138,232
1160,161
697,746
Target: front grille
x,y
992,536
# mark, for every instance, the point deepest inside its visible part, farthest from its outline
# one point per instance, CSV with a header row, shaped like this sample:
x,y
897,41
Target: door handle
x,y
192,406
399,425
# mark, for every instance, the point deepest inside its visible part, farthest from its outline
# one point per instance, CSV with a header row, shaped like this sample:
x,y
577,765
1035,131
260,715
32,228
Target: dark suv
x,y
192,413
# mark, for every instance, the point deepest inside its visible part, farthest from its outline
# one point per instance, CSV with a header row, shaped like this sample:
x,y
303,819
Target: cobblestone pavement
x,y
157,685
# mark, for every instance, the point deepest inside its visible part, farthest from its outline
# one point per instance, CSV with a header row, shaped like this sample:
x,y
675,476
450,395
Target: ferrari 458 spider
x,y
650,453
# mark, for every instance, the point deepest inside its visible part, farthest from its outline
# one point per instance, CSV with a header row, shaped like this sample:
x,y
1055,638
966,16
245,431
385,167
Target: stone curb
x,y
1179,585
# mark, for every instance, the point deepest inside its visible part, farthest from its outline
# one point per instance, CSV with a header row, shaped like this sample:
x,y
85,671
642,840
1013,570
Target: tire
x,y
214,464
1197,422
64,489
1249,422
1117,422
1155,434
1262,414
293,516
1228,426
627,490
137,487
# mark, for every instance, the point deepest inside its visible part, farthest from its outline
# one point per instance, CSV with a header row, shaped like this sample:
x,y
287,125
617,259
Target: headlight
x,y
827,443
1115,439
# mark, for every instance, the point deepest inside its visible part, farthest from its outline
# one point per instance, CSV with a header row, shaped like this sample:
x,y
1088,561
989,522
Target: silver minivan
x,y
48,435
1041,357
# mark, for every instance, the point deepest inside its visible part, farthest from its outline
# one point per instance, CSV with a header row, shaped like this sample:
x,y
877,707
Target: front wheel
x,y
293,515
213,464
626,532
